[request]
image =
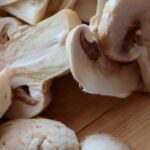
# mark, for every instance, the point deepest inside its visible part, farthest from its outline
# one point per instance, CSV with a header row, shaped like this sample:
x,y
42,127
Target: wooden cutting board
x,y
128,119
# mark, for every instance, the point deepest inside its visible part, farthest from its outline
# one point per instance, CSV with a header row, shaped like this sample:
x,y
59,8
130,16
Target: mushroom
x,y
120,28
124,33
33,59
103,142
5,92
37,134
7,2
86,9
30,11
95,73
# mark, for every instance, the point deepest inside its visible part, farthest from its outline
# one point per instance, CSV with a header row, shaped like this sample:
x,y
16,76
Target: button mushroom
x,y
37,134
30,11
103,142
95,72
124,33
33,59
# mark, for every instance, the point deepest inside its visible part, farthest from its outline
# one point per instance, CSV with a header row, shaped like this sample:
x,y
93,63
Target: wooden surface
x,y
128,119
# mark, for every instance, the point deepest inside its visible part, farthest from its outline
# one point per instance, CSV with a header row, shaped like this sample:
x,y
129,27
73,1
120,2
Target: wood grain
x,y
75,108
130,120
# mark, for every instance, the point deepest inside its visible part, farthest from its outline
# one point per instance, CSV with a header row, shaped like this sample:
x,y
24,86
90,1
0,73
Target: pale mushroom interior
x,y
103,76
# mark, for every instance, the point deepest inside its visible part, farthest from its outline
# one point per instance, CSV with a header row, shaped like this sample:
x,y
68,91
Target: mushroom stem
x,y
21,95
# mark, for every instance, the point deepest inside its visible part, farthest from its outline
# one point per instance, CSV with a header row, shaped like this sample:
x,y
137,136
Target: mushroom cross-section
x,y
93,71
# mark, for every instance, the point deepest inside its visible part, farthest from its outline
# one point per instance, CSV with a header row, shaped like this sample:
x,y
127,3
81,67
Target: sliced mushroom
x,y
35,57
37,134
124,33
95,72
86,9
55,6
30,11
5,92
7,2
103,142
120,28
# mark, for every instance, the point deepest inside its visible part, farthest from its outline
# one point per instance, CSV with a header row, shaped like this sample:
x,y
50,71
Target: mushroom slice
x,y
7,2
5,92
35,57
94,72
55,6
103,142
30,11
85,9
37,134
120,27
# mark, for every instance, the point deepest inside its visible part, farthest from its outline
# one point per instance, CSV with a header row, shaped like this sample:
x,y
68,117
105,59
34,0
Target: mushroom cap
x,y
35,134
103,142
7,2
102,76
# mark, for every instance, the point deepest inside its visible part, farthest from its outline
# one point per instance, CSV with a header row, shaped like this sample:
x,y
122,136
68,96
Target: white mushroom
x,y
93,71
103,142
7,2
124,33
30,11
37,134
5,92
34,58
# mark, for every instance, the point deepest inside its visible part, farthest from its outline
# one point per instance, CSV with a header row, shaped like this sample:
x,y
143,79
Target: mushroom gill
x,y
94,72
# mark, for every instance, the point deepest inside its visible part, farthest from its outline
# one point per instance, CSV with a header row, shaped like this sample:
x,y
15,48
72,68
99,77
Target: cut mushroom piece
x,y
37,134
7,2
5,93
103,142
93,71
36,56
55,6
120,28
30,11
85,9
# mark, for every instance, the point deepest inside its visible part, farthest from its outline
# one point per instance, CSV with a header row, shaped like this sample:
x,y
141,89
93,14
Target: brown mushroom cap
x,y
95,72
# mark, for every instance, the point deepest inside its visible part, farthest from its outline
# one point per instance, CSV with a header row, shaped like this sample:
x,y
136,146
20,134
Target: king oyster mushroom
x,y
95,72
33,59
30,11
124,33
37,134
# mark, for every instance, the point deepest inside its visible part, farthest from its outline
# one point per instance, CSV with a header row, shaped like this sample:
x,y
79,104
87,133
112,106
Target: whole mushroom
x,y
37,134
103,142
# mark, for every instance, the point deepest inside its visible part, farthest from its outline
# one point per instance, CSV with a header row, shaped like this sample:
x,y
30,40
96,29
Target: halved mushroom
x,y
34,58
120,28
5,92
7,2
30,11
124,33
95,72
37,134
